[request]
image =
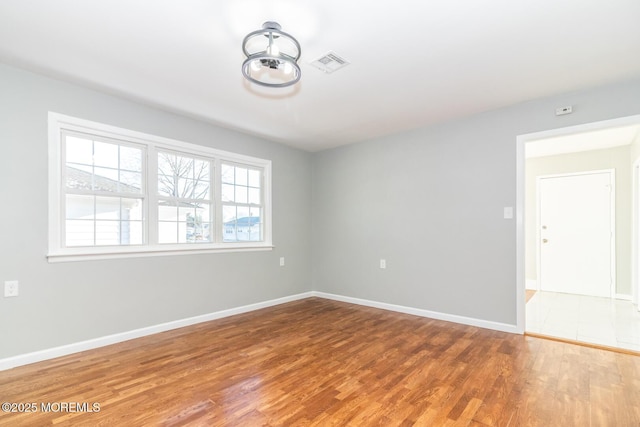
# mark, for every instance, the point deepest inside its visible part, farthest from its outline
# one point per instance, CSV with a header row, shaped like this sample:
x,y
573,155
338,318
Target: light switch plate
x,y
508,212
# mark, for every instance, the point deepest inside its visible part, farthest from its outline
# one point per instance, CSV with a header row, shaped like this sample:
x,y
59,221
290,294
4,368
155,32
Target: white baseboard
x,y
531,284
624,297
38,356
503,327
51,353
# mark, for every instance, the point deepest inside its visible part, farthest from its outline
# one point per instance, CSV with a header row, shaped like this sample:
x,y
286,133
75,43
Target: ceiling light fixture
x,y
272,57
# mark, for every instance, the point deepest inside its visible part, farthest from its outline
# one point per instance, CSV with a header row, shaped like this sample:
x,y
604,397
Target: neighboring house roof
x,y
80,179
247,221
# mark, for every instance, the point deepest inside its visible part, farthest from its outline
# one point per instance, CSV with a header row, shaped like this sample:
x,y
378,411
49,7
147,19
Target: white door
x,y
576,233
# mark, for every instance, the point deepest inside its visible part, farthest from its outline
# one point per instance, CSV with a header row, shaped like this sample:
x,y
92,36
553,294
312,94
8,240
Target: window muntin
x,y
115,192
103,191
241,189
185,209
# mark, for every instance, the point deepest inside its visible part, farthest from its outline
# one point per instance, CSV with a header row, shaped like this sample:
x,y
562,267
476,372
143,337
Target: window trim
x,y
58,253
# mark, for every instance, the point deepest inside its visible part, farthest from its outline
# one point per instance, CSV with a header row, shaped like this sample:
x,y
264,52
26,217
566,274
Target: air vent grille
x,y
329,62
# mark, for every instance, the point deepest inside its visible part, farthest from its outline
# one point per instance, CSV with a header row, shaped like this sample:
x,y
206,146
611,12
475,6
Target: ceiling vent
x,y
329,63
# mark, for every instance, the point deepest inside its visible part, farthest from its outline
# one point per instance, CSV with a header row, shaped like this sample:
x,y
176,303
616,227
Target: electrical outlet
x,y
383,263
11,288
281,261
561,111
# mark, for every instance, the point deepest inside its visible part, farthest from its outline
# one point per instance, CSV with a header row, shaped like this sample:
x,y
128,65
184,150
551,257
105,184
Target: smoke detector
x,y
329,62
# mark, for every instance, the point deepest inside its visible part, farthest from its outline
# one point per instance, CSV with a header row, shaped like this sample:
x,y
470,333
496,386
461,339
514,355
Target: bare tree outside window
x,y
184,190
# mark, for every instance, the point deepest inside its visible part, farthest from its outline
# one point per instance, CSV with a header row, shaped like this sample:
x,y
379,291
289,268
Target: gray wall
x,y
69,302
430,202
617,158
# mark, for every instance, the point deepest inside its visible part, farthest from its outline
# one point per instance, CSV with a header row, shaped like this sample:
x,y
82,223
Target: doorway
x,y
614,306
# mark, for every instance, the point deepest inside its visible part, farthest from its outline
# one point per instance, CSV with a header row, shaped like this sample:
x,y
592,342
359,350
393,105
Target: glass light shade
x,y
272,57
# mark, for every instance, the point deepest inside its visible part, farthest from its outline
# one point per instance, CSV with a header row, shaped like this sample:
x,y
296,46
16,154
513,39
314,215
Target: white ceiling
x,y
413,63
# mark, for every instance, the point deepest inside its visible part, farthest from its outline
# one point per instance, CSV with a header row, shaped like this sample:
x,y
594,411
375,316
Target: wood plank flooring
x,y
318,362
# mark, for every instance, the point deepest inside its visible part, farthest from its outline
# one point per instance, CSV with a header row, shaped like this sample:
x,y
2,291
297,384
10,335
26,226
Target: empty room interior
x,y
320,213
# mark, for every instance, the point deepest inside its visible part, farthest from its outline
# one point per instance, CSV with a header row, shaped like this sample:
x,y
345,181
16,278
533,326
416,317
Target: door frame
x,y
635,234
612,206
521,141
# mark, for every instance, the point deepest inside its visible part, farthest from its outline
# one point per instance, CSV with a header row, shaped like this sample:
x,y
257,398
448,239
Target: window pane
x,y
241,194
166,164
206,233
79,233
254,196
241,176
167,211
185,188
131,209
105,154
228,193
130,182
201,190
108,175
79,176
132,233
184,167
168,232
80,207
79,150
182,233
255,235
166,185
202,170
254,178
229,213
229,223
256,225
243,224
108,208
243,212
105,179
199,224
130,159
107,233
185,213
227,174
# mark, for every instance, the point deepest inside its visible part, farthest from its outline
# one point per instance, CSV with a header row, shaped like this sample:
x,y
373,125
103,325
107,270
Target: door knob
x,y
545,240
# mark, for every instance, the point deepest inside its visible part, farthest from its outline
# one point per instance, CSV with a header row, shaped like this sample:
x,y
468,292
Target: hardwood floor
x,y
319,362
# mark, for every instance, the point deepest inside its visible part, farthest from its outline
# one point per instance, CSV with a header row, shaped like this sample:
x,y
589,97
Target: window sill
x,y
91,254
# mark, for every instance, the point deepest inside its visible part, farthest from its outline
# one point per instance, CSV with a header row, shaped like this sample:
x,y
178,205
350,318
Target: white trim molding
x,y
51,353
486,324
147,196
521,141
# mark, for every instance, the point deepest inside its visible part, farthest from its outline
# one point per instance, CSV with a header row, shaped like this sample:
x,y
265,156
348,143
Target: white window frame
x,y
58,253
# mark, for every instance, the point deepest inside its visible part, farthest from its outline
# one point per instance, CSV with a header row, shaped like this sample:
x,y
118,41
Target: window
x,y
184,198
103,193
241,203
115,192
